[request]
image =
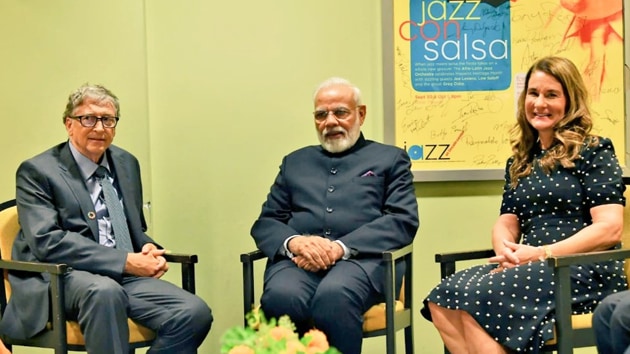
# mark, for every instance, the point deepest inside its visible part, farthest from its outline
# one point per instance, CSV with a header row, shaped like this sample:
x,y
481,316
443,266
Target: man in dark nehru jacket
x,y
331,212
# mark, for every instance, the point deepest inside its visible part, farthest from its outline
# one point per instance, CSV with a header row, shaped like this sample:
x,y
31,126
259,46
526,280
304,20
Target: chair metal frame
x,y
55,335
394,320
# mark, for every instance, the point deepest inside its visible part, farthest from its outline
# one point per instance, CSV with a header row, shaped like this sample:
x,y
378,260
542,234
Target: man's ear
x,y
362,112
68,124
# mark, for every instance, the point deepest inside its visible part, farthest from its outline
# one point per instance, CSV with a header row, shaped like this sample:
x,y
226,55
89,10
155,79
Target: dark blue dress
x,y
516,306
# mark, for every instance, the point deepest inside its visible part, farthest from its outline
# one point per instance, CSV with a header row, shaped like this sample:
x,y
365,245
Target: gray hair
x,y
338,81
95,92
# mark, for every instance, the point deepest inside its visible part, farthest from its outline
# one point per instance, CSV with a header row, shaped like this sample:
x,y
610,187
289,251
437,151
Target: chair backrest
x,y
9,227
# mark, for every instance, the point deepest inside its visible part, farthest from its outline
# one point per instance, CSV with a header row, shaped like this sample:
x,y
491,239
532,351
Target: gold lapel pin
x,y
92,215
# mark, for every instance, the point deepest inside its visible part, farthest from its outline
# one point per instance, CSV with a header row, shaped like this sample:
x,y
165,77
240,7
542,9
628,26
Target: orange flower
x,y
277,336
294,347
241,349
278,333
318,342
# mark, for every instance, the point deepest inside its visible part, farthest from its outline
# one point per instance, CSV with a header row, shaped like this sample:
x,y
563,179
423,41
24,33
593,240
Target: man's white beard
x,y
340,144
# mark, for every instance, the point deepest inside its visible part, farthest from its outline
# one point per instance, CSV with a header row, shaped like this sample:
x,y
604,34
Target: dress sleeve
x,y
507,203
601,174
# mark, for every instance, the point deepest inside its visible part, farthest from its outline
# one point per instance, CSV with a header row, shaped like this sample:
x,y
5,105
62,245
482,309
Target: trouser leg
x,y
181,319
339,303
288,292
99,304
611,324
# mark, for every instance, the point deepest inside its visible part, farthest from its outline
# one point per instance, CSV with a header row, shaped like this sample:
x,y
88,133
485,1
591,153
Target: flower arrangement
x,y
262,336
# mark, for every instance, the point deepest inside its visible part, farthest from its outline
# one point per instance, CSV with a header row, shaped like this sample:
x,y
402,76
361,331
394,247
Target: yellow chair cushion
x,y
578,322
582,321
137,333
8,231
9,228
374,318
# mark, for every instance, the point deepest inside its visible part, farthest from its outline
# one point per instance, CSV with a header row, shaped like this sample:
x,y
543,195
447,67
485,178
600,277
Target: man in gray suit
x,y
333,209
64,219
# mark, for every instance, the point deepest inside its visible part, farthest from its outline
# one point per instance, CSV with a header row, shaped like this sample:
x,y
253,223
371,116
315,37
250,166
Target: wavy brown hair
x,y
570,133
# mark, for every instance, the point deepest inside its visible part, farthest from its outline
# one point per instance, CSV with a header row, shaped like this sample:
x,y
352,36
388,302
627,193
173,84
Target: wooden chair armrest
x,y
463,256
447,260
590,257
248,260
187,263
35,267
252,256
181,257
394,255
391,258
58,316
562,287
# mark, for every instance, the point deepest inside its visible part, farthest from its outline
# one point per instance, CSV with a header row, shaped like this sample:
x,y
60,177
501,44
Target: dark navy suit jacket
x,y
363,196
58,225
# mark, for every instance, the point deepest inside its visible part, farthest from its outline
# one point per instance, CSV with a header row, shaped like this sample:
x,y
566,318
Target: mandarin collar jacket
x,y
364,197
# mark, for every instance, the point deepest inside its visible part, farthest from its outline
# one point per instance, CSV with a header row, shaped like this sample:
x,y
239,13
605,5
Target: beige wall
x,y
213,95
48,49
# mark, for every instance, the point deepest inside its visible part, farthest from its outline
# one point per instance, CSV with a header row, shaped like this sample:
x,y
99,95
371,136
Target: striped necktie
x,y
116,213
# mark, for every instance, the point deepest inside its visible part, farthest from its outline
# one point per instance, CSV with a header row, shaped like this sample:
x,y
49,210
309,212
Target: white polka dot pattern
x,y
516,306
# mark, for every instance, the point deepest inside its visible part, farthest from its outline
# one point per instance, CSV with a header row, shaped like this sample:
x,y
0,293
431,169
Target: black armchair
x,y
62,335
382,319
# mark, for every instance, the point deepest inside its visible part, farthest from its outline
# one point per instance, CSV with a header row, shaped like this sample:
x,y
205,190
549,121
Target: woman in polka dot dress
x,y
563,194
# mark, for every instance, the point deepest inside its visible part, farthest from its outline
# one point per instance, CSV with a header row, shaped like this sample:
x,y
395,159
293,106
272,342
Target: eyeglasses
x,y
90,121
339,113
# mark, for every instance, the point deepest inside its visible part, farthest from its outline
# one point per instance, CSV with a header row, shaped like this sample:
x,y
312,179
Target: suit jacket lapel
x,y
70,173
125,177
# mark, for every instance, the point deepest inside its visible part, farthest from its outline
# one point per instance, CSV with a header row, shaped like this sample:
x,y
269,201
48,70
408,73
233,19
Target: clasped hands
x,y
314,253
514,254
150,262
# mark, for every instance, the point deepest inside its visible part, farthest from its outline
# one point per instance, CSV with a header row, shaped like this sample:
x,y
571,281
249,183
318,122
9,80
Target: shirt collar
x,y
86,166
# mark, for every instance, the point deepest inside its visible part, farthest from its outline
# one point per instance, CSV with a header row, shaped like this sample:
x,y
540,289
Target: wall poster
x,y
454,70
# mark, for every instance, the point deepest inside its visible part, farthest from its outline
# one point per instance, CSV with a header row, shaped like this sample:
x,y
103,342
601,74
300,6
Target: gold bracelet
x,y
547,250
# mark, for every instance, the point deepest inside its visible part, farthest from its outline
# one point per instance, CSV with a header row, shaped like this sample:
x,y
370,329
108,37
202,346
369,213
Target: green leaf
x,y
257,335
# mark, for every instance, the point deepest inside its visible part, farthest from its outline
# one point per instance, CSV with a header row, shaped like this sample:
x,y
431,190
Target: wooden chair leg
x,y
409,340
390,338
